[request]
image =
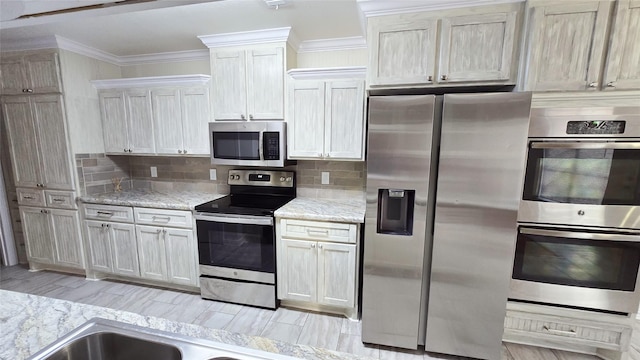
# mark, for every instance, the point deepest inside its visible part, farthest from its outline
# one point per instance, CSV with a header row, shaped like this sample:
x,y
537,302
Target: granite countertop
x,y
179,200
28,323
343,210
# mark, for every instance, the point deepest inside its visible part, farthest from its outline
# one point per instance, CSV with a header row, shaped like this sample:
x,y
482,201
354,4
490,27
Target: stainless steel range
x,y
236,238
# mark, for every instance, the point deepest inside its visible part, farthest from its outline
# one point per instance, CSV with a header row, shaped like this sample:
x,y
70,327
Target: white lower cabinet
x,y
112,248
167,254
52,236
317,265
151,251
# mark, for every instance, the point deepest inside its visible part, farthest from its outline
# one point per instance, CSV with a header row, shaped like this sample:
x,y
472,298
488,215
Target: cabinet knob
x,y
179,151
242,117
320,246
102,225
593,84
27,90
429,78
129,150
313,246
611,84
250,117
184,151
443,77
159,231
125,150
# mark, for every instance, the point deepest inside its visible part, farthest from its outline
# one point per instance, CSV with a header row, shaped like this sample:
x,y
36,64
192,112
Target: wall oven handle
x,y
261,145
581,235
584,145
250,220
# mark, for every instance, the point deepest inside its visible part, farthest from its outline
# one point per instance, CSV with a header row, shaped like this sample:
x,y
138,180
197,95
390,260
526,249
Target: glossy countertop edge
x,y
178,200
350,210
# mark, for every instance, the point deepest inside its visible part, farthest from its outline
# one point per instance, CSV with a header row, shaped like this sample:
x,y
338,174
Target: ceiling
x,y
149,27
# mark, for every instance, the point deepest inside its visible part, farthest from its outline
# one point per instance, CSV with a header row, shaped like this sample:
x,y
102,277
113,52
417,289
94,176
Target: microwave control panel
x,y
271,145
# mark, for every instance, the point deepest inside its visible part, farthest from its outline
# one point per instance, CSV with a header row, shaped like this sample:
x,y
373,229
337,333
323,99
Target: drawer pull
x,y
559,332
28,197
58,200
161,218
106,213
318,232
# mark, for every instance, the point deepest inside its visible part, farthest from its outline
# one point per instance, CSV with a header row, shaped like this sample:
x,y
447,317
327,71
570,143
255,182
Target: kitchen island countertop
x,y
178,200
348,210
28,323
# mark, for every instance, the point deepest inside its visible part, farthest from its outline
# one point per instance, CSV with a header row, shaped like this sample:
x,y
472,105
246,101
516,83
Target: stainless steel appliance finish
x,y
598,146
482,157
248,143
397,233
598,264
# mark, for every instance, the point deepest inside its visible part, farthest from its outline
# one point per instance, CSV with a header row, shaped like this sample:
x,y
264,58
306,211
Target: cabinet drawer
x,y
161,217
568,330
108,212
31,197
60,199
318,230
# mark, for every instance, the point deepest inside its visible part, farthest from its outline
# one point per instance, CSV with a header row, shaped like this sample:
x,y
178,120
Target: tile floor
x,y
293,326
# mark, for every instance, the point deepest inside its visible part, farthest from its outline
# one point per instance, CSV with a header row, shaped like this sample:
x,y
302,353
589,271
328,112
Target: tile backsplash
x,y
96,172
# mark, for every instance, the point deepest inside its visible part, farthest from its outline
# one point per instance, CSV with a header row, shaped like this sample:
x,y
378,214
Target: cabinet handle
x,y
443,77
58,200
163,218
27,90
429,78
159,231
593,84
559,332
179,151
611,84
318,232
28,197
44,211
105,213
242,117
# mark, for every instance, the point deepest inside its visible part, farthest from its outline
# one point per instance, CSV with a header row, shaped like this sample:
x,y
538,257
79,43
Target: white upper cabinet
x,y
326,114
39,148
34,73
248,84
477,47
458,47
622,70
567,44
166,115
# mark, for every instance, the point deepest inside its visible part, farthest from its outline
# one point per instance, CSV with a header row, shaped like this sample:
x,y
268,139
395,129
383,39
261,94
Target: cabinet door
x,y
336,274
181,256
167,121
195,120
567,46
228,70
42,73
297,270
306,119
65,226
124,250
344,120
52,138
99,246
477,48
37,234
623,63
403,50
139,121
13,79
114,122
23,141
265,84
151,252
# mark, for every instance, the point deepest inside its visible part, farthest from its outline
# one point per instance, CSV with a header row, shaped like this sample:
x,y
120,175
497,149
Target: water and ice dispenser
x,y
395,211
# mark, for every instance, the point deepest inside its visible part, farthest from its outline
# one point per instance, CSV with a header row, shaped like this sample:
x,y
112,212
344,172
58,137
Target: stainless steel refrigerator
x,y
444,177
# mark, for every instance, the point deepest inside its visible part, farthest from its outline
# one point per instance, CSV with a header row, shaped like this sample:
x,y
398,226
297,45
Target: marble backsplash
x,y
96,171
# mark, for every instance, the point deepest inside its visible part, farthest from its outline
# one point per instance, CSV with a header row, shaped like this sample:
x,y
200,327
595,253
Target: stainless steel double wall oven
x,y
578,243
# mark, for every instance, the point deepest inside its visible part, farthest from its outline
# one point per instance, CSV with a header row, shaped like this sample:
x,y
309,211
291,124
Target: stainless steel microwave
x,y
243,143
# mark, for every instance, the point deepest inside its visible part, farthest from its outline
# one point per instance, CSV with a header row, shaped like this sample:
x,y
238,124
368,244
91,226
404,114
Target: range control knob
x,y
282,178
289,178
237,177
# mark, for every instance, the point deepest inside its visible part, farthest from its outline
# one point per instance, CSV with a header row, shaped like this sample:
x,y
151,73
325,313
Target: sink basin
x,y
101,339
113,346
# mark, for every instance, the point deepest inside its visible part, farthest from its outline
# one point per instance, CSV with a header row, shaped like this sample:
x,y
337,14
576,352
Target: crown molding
x,y
346,72
88,51
36,43
347,43
165,57
370,8
174,80
246,37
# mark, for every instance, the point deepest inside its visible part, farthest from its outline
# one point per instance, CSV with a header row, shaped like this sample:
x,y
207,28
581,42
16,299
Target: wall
x,y
81,99
320,59
165,69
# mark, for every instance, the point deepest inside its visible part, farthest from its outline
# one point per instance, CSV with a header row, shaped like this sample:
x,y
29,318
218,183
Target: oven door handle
x,y
249,220
581,235
584,145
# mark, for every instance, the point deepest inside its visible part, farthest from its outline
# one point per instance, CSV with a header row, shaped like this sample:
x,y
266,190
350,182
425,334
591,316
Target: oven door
x,y
593,270
584,183
240,247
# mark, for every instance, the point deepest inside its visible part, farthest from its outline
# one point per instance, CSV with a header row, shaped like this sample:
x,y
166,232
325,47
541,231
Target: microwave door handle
x,y
585,145
581,235
261,145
